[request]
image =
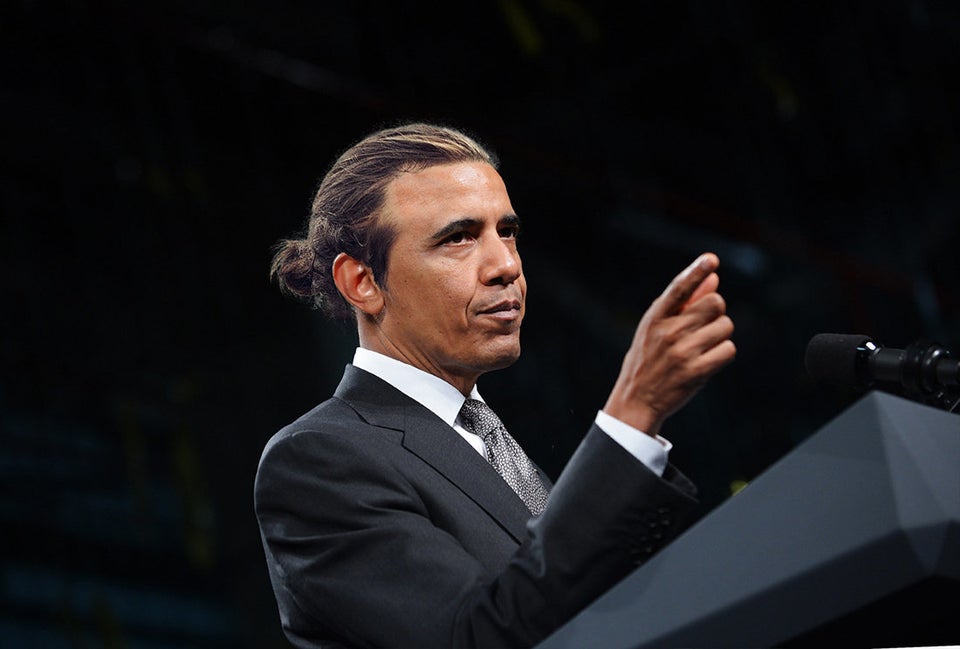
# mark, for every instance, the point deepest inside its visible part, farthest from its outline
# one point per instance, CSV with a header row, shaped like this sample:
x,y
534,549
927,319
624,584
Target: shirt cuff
x,y
649,450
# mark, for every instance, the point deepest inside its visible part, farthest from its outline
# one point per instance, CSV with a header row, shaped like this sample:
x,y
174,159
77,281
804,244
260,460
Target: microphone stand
x,y
919,377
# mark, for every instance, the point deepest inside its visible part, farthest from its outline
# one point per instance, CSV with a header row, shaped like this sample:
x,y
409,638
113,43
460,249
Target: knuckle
x,y
727,323
731,348
721,303
661,333
715,304
676,355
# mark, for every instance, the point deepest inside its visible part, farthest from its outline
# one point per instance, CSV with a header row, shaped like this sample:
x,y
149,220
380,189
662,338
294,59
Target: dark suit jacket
x,y
383,527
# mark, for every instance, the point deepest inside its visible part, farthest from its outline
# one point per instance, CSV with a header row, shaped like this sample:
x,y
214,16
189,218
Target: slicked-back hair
x,y
345,216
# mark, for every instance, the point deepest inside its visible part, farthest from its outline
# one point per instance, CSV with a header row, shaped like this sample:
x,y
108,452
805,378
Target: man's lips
x,y
503,309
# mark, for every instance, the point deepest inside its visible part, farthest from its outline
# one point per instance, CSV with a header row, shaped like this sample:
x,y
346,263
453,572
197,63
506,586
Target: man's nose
x,y
501,261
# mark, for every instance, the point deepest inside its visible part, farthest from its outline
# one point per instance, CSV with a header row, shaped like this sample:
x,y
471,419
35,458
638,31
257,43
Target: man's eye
x,y
457,237
511,232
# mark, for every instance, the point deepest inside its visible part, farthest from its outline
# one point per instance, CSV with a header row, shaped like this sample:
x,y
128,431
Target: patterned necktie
x,y
505,454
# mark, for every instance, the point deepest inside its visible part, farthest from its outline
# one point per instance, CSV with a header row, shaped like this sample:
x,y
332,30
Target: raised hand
x,y
682,340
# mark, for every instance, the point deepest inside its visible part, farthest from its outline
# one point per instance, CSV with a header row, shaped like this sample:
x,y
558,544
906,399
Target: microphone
x,y
857,361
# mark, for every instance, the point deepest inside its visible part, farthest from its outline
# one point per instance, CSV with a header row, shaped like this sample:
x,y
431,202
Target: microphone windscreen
x,y
832,358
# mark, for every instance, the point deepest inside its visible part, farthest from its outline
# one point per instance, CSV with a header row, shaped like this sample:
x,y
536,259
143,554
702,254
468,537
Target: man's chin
x,y
502,358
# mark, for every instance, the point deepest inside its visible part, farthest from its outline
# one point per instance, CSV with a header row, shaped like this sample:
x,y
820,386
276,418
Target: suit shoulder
x,y
332,423
330,445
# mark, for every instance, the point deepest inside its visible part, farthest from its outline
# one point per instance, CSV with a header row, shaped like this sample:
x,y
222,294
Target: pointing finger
x,y
684,285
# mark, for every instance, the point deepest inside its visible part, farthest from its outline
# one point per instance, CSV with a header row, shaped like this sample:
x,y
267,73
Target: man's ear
x,y
356,283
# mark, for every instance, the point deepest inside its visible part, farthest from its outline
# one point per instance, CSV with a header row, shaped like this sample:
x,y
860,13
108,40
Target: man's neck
x,y
378,342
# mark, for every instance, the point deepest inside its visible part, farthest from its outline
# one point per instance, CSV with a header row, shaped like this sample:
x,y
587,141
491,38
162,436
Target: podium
x,y
852,538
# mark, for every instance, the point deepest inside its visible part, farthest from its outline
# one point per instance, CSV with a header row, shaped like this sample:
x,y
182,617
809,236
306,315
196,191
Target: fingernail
x,y
704,262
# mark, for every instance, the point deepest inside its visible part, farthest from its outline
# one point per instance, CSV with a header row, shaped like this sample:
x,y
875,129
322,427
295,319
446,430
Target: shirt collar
x,y
432,392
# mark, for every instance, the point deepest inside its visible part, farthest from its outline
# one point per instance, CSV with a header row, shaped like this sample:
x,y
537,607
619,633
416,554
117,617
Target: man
x,y
400,512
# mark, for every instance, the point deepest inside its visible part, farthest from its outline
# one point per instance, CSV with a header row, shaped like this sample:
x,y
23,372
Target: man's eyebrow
x,y
453,227
510,219
466,224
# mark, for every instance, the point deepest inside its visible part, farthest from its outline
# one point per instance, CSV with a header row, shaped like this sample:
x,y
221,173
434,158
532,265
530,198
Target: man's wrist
x,y
651,450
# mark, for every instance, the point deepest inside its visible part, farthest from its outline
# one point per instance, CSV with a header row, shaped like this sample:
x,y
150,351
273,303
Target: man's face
x,y
456,291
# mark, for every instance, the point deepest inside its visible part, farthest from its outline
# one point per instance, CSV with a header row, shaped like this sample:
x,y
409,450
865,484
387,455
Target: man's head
x,y
437,224
346,212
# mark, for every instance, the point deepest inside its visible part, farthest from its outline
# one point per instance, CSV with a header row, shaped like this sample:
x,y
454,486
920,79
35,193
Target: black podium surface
x,y
851,538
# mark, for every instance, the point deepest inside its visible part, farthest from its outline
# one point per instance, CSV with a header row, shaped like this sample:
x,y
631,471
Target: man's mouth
x,y
505,310
505,306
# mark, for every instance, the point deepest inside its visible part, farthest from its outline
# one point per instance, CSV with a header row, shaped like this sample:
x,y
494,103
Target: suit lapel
x,y
433,441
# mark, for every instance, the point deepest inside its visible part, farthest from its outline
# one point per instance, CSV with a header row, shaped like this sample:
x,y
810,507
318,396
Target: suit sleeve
x,y
354,555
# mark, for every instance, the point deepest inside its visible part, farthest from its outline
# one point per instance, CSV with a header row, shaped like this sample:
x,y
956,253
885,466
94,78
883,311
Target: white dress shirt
x,y
445,401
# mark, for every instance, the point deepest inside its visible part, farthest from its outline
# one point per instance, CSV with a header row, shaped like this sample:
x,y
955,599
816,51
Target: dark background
x,y
153,153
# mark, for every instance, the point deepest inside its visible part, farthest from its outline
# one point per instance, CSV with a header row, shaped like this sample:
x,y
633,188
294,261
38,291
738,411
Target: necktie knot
x,y
480,418
505,454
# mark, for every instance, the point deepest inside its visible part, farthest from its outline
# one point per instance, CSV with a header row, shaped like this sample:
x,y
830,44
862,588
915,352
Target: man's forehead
x,y
446,192
450,178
